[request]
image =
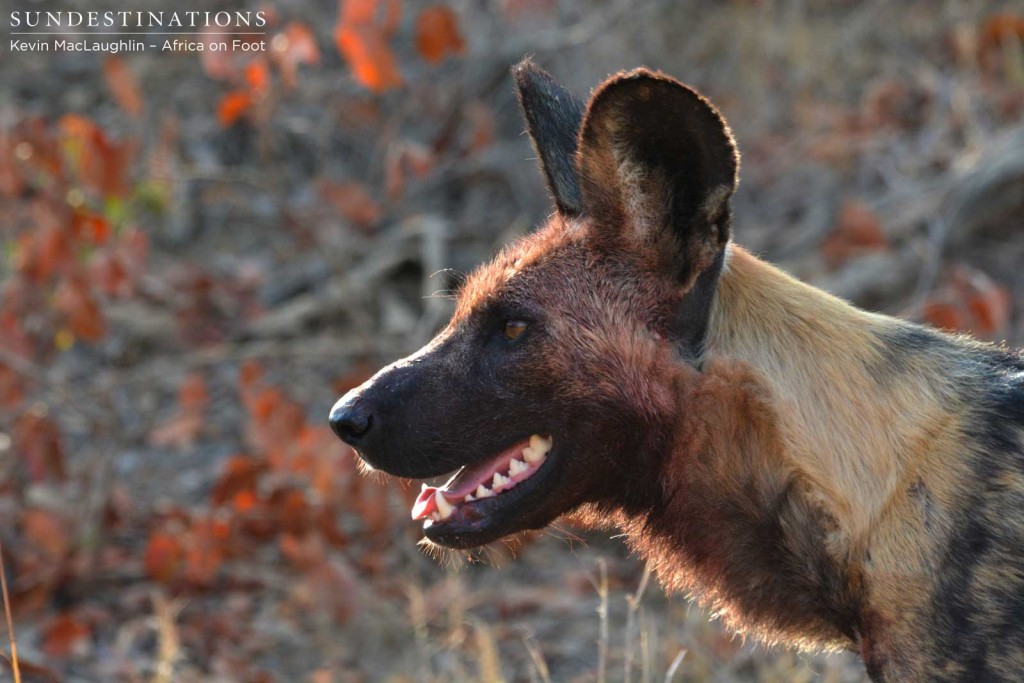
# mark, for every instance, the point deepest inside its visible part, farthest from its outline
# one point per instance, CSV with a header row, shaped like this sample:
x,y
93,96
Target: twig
x,y
671,673
540,665
633,601
168,639
10,621
602,611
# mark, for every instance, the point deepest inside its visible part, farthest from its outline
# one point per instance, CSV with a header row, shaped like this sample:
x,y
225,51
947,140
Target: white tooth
x,y
469,498
499,480
540,444
434,516
534,455
444,508
516,466
483,492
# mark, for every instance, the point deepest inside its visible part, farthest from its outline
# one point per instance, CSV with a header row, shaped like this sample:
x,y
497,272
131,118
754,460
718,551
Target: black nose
x,y
351,419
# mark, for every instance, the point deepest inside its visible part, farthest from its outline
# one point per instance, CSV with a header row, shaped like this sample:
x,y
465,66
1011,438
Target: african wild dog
x,y
819,475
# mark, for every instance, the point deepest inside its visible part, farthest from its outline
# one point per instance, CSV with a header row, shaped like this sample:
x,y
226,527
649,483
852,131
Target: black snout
x,y
352,419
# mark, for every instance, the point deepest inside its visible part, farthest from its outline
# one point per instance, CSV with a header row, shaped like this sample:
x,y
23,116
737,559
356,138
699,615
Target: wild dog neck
x,y
789,449
854,435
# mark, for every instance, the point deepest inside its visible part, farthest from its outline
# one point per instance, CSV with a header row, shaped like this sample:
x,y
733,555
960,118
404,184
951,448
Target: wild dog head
x,y
553,384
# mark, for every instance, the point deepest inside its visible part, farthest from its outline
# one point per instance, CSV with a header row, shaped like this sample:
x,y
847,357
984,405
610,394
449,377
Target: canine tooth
x,y
444,508
498,480
483,492
540,444
534,455
469,498
435,517
516,466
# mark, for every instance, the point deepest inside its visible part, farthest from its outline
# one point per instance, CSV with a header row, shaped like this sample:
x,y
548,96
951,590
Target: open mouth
x,y
483,486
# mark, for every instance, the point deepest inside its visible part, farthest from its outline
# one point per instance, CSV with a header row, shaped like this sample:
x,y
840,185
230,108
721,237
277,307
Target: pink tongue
x,y
425,504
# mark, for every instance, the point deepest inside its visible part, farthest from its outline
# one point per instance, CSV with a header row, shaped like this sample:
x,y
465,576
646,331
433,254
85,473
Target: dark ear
x,y
553,118
658,166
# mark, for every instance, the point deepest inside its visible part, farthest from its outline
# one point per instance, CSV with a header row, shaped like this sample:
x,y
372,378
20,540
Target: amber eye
x,y
514,329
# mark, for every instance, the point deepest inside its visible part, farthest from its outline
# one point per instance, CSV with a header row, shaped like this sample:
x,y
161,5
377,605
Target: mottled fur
x,y
818,475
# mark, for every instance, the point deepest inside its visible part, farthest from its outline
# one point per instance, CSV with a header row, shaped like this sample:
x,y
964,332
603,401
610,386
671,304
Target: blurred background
x,y
202,251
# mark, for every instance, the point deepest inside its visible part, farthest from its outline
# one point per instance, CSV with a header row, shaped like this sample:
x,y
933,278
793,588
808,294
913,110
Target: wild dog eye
x,y
514,329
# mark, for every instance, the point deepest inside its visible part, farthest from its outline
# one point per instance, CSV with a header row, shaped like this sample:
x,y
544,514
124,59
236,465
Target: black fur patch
x,y
691,324
978,605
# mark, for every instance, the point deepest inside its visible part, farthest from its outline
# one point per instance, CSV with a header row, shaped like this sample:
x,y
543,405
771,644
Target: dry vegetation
x,y
200,254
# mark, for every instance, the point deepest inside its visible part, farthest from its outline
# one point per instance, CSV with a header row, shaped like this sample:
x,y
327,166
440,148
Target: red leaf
x,y
205,552
163,557
241,475
47,532
437,34
11,389
123,85
249,374
63,634
352,201
857,231
183,428
944,315
295,45
98,163
74,299
37,441
969,301
192,394
987,303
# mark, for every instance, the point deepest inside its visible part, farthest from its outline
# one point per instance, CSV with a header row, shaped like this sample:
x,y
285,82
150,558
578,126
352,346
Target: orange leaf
x,y
123,85
998,29
358,11
437,34
241,474
233,106
245,501
63,634
365,50
91,227
257,76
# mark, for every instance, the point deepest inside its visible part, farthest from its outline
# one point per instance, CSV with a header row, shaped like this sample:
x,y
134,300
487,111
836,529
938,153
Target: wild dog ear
x,y
553,118
658,166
